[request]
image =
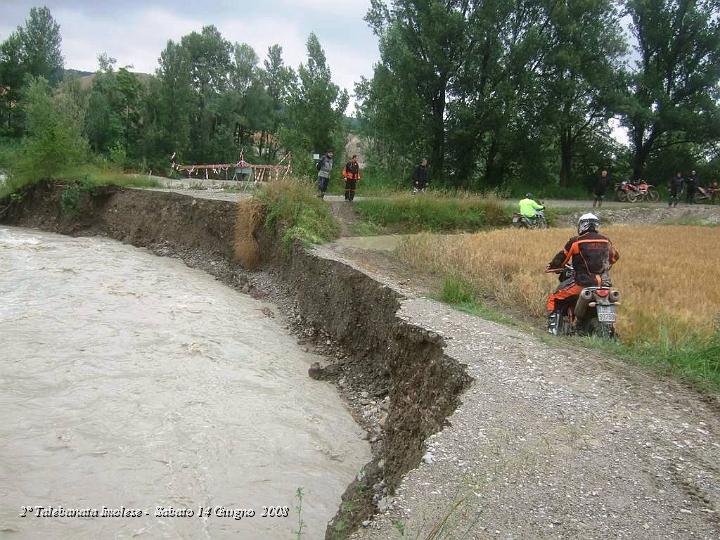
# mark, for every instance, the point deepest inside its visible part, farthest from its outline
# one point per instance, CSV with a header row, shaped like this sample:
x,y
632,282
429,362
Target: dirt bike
x,y
642,191
622,189
706,194
593,313
522,222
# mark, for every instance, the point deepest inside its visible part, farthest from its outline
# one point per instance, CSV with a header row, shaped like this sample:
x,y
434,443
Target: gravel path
x,y
553,442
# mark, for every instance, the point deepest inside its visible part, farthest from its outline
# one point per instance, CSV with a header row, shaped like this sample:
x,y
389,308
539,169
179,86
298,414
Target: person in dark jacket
x,y
420,176
324,166
600,188
351,173
591,254
691,185
676,186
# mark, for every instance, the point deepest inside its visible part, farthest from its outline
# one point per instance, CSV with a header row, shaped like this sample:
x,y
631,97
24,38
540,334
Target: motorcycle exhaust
x,y
582,303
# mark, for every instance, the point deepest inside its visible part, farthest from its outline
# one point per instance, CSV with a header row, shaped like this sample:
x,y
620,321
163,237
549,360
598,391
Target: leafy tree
x,y
673,92
278,81
33,49
53,141
579,75
316,105
41,41
423,43
114,109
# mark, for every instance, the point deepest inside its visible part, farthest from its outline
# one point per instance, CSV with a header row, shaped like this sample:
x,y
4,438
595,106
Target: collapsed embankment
x,y
382,363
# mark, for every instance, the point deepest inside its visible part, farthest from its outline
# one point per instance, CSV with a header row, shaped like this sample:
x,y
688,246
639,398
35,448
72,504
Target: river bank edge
x,y
394,376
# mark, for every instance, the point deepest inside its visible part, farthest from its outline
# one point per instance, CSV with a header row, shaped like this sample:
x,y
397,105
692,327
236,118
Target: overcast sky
x,y
136,31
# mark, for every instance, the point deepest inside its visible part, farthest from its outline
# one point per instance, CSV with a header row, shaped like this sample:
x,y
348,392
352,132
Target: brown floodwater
x,y
132,381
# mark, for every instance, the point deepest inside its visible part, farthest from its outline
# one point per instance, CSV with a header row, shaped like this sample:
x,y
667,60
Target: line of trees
x,y
208,100
496,92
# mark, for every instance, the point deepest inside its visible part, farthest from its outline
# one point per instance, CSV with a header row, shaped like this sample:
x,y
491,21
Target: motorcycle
x,y
538,222
633,192
706,194
594,313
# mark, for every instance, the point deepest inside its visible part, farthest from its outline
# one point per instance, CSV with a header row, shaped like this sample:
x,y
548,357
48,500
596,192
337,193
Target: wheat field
x,y
669,276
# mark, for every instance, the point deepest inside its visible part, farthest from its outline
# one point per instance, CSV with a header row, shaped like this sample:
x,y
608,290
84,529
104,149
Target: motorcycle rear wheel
x,y
632,196
600,329
621,195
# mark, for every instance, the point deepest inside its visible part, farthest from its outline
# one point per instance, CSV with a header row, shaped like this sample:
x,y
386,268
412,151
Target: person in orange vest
x,y
352,175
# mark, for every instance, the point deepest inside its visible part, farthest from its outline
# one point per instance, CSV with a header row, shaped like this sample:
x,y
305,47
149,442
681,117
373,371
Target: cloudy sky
x,y
135,31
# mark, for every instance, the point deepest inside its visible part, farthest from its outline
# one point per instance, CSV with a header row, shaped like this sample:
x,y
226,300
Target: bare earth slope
x,y
552,442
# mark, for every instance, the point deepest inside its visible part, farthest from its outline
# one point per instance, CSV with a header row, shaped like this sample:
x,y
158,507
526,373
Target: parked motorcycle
x,y
706,195
633,192
593,313
522,222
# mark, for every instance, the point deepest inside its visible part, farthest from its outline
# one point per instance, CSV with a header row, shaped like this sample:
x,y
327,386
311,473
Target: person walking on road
x,y
420,176
324,166
352,175
676,185
600,188
691,185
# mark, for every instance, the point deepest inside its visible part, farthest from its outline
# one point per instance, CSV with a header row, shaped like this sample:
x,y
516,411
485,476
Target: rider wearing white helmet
x,y
591,254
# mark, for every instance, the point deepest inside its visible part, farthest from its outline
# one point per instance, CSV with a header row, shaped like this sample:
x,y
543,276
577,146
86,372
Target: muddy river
x,y
135,388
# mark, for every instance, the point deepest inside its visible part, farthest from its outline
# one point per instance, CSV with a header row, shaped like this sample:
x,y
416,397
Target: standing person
x,y
352,175
600,188
676,185
420,176
714,191
691,185
324,166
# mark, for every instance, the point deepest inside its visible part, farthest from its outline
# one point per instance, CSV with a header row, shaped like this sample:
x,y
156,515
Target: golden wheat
x,y
668,275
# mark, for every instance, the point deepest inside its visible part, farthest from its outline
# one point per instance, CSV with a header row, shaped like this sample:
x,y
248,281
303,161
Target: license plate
x,y
606,313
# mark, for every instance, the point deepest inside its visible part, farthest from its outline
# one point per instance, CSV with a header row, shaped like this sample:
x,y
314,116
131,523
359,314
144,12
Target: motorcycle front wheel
x,y
632,196
621,195
653,195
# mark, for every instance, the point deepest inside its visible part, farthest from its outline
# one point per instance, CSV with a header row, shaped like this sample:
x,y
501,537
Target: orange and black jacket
x,y
352,171
591,254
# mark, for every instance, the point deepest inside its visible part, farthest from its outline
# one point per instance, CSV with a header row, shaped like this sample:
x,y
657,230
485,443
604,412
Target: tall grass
x,y
435,212
670,311
667,275
250,216
293,209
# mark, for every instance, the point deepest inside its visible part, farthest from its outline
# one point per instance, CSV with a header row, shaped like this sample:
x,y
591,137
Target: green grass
x,y
294,210
87,176
459,294
696,361
434,212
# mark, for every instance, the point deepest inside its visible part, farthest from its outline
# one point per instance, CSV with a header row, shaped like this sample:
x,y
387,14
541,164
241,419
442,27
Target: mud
x,y
396,379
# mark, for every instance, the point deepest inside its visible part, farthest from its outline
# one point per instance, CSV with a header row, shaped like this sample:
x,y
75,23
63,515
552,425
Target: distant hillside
x,y
87,77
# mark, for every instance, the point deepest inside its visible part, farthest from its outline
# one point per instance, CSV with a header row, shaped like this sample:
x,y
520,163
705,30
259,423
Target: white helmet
x,y
588,222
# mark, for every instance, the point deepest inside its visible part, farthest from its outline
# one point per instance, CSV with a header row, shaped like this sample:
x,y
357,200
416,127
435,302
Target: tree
x,y
278,82
31,50
114,109
423,44
316,105
41,45
53,142
672,97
